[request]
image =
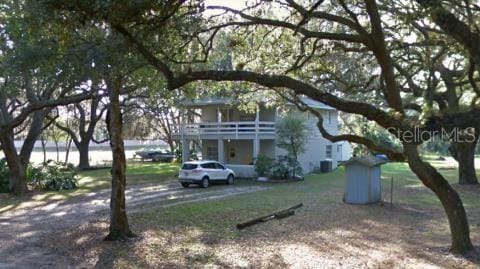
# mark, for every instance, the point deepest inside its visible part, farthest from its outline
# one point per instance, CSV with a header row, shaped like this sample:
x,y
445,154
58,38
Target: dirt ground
x,y
319,235
30,233
195,228
330,242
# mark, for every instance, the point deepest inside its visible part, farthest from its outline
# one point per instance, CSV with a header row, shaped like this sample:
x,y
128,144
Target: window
x,y
219,166
328,151
339,148
212,153
329,117
189,166
227,114
208,165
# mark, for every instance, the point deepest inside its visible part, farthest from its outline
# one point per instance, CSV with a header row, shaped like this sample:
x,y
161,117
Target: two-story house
x,y
223,132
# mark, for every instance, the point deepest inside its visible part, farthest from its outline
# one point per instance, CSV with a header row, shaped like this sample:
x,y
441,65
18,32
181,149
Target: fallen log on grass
x,y
276,215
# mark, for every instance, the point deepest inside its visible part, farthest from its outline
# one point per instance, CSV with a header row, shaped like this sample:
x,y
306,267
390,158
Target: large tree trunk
x,y
83,151
119,227
68,144
17,163
44,148
57,150
449,198
18,180
464,153
33,133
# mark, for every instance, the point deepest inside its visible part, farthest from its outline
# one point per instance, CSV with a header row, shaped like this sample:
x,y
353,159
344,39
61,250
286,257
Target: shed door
x,y
356,191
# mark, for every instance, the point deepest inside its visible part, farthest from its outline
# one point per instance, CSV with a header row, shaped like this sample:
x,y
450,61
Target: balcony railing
x,y
225,128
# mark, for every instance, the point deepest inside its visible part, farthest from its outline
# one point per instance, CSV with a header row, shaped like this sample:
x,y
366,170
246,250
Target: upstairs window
x,y
328,151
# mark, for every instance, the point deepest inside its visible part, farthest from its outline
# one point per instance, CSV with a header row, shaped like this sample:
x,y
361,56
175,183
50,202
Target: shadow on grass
x,y
92,181
325,232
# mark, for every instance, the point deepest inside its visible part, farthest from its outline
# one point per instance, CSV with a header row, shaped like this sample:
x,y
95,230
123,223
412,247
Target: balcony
x,y
232,129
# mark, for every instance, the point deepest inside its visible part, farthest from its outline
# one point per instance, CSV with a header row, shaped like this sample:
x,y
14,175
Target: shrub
x,y
53,176
286,167
263,165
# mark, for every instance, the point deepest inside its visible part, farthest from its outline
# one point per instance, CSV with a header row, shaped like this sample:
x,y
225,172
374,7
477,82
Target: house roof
x,y
314,104
209,101
367,160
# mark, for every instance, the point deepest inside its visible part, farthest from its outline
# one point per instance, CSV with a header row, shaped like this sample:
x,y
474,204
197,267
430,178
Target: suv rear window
x,y
208,165
189,166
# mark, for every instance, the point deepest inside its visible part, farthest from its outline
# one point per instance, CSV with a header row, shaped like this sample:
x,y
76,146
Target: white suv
x,y
204,172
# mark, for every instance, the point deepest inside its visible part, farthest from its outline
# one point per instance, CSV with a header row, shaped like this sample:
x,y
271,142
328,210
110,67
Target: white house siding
x,y
316,145
267,147
344,151
314,154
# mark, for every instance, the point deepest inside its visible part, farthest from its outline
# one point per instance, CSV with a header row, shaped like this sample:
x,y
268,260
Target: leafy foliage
x,y
292,134
263,165
53,176
286,167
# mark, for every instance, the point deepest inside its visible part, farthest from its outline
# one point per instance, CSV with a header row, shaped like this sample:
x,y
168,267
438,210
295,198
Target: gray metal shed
x,y
363,185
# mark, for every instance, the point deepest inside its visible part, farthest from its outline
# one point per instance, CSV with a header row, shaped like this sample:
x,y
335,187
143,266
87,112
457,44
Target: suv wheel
x,y
230,179
205,182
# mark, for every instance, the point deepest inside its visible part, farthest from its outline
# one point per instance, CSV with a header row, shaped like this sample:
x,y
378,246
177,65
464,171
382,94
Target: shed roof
x,y
366,160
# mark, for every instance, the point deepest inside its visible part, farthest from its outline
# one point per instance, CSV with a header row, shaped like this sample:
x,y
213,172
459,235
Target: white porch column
x,y
256,148
221,151
256,141
219,115
185,150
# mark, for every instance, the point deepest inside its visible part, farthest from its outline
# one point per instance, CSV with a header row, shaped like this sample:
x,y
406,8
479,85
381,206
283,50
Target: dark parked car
x,y
155,154
382,157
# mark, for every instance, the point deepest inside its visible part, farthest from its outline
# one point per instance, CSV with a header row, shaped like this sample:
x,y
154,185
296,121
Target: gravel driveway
x,y
21,231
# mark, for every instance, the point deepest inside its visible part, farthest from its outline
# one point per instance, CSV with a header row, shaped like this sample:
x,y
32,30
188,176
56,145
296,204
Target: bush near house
x,y
51,176
285,167
263,165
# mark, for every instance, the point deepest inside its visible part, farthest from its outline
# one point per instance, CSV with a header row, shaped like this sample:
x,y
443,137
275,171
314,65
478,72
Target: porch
x,y
219,118
237,154
228,130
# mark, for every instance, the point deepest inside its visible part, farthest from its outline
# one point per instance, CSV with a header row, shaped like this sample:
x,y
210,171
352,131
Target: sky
x,y
237,4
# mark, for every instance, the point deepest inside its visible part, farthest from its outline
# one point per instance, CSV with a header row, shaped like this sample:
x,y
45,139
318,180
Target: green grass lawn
x,y
199,234
316,189
89,181
203,233
137,172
